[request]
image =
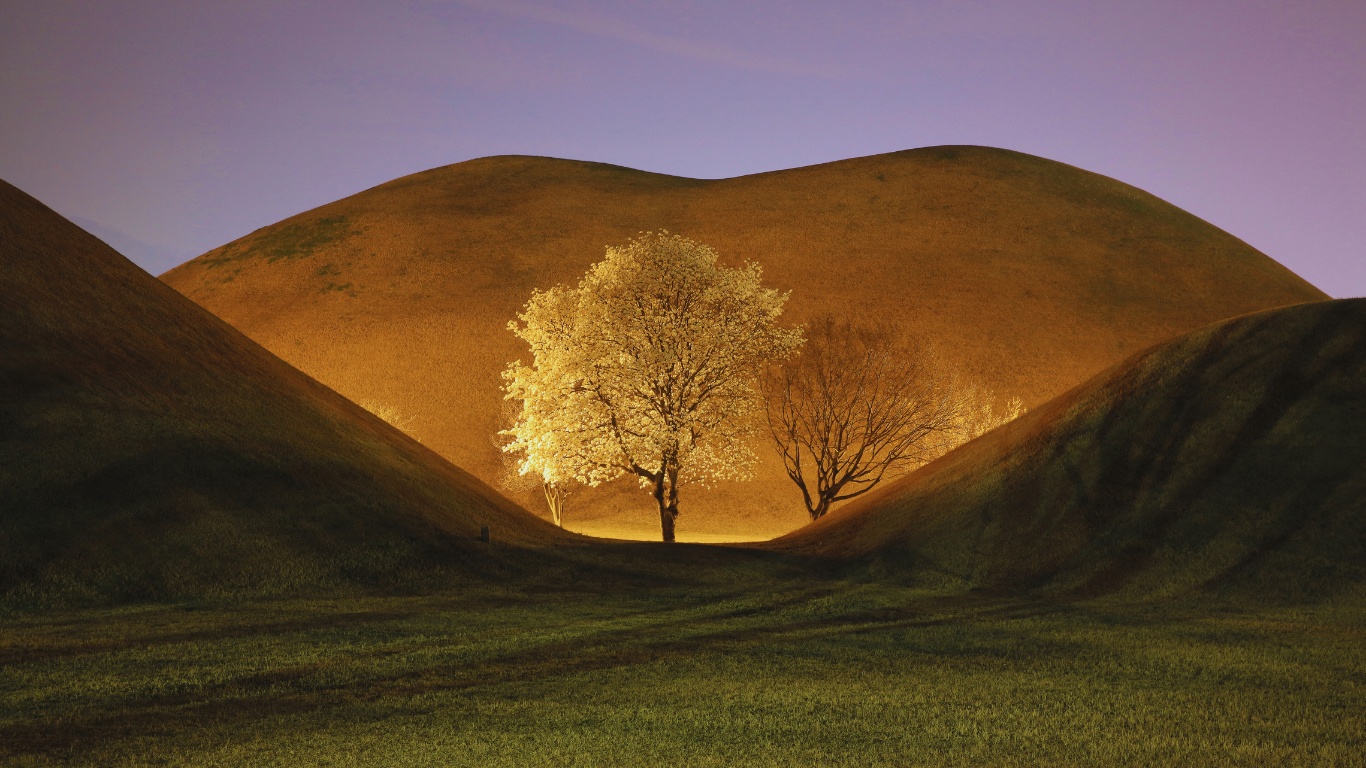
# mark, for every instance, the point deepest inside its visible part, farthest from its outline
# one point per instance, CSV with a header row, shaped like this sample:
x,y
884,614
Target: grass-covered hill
x,y
1230,459
147,449
1032,274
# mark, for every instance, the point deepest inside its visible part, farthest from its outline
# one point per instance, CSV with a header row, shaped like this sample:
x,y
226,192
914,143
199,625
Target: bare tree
x,y
856,403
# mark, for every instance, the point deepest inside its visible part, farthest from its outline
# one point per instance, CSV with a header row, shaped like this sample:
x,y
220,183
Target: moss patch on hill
x,y
295,240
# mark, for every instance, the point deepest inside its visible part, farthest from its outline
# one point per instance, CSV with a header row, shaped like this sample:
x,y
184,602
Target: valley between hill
x,y
1030,274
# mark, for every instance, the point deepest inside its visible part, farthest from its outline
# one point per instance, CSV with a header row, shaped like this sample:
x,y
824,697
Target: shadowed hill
x,y
1233,458
149,449
1034,275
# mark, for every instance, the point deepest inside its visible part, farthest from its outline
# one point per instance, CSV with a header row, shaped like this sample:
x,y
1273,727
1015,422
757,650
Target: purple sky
x,y
169,128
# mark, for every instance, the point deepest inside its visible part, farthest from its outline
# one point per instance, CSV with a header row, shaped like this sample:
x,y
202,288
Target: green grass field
x,y
748,661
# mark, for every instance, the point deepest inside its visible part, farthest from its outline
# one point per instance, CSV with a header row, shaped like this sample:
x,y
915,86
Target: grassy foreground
x,y
798,670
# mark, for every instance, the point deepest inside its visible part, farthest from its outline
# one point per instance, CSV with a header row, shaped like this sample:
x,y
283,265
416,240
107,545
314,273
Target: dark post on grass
x,y
484,533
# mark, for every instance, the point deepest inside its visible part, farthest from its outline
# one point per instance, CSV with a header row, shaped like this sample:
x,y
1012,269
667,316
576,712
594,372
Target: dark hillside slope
x,y
1031,274
1233,458
149,449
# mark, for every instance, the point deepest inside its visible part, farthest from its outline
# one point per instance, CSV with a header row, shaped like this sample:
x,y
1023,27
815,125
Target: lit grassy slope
x,y
1231,458
148,449
1034,274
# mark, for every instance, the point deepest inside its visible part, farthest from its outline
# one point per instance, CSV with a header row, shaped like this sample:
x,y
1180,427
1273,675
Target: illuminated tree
x,y
860,402
556,491
979,412
649,367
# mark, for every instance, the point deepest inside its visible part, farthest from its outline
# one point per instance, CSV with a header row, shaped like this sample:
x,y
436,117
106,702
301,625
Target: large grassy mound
x,y
1233,458
148,449
1034,275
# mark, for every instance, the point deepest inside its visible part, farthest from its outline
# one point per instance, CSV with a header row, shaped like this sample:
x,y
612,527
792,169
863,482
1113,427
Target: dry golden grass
x,y
147,449
1032,274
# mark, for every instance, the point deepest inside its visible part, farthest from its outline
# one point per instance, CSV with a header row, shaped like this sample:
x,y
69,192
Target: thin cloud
x,y
601,25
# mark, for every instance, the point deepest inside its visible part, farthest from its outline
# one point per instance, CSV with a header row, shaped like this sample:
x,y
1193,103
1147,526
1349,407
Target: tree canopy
x,y
649,366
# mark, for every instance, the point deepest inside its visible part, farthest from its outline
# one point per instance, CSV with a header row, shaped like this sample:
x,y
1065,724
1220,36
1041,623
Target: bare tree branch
x,y
862,402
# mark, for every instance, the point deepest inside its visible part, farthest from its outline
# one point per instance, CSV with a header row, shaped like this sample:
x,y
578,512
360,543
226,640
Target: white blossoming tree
x,y
649,367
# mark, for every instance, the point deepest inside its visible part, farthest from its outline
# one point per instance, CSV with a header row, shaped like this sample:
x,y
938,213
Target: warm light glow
x,y
648,367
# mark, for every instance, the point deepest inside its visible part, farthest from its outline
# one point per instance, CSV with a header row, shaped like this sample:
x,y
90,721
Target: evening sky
x,y
169,128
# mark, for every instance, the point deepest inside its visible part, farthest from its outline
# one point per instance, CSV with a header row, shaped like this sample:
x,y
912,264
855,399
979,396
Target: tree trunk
x,y
822,506
666,524
554,498
666,496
